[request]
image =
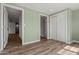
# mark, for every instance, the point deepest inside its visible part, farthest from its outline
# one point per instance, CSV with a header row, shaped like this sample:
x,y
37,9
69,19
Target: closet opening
x,y
43,27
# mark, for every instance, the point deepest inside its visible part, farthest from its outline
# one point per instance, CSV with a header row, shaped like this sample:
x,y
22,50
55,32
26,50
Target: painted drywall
x,y
11,27
31,25
69,25
75,25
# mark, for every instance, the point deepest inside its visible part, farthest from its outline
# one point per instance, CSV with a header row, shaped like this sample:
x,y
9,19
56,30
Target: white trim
x,y
22,27
48,37
1,50
12,6
75,41
1,27
18,8
31,42
66,28
48,27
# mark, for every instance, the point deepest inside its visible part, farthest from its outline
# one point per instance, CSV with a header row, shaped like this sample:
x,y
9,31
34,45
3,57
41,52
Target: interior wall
x,y
11,27
31,25
69,25
75,25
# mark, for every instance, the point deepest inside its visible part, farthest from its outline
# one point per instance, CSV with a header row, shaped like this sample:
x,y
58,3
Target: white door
x,y
5,27
53,26
61,27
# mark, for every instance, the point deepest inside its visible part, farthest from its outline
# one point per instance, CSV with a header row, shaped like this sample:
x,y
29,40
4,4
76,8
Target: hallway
x,y
13,41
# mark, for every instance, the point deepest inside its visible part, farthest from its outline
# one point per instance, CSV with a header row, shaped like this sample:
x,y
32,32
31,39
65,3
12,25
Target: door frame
x,y
48,37
14,7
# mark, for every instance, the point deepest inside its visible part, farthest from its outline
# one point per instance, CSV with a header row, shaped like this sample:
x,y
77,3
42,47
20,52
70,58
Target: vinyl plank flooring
x,y
46,47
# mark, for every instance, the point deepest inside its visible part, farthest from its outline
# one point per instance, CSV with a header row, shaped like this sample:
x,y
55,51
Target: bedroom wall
x,y
75,25
31,25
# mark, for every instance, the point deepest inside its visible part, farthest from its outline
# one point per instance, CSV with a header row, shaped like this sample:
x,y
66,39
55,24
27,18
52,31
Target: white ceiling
x,y
49,8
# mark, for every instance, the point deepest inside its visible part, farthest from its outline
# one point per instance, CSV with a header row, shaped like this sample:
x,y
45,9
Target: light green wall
x,y
32,29
69,25
75,25
32,24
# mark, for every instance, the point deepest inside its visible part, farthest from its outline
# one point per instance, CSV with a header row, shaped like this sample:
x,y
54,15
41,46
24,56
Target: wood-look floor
x,y
45,47
13,41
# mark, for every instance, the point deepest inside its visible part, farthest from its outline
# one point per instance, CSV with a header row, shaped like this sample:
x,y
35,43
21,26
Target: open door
x,y
5,27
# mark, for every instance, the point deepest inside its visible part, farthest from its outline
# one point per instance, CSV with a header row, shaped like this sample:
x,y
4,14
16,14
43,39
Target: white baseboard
x,y
75,41
1,50
48,37
68,42
31,42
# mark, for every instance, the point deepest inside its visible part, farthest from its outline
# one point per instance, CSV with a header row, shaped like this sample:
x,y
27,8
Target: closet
x,y
60,26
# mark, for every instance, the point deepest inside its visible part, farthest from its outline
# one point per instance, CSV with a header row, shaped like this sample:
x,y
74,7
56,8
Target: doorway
x,y
43,27
12,19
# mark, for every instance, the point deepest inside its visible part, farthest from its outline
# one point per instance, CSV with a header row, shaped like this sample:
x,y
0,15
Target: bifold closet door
x,y
61,27
53,27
